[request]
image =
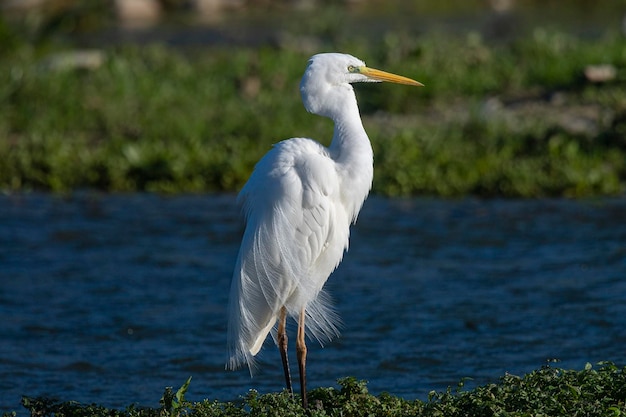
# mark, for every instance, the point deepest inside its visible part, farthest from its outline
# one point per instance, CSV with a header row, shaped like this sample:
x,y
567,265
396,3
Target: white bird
x,y
299,203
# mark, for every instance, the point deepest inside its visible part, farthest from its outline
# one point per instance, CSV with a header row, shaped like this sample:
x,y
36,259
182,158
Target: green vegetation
x,y
516,118
546,392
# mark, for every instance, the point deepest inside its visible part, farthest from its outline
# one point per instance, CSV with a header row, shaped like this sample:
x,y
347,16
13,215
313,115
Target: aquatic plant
x,y
515,118
548,391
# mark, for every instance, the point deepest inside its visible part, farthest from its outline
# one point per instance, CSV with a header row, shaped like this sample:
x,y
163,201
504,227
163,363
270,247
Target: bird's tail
x,y
323,322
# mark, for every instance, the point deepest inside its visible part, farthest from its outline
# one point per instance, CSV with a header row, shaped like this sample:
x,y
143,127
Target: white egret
x,y
299,203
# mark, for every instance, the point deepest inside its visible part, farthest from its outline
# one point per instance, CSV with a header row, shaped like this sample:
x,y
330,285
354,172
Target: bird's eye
x,y
352,68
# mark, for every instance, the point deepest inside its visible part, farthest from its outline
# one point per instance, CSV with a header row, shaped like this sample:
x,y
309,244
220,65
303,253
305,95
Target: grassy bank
x,y
546,392
510,119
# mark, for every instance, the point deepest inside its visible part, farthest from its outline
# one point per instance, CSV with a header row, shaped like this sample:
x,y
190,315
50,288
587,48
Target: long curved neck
x,y
352,152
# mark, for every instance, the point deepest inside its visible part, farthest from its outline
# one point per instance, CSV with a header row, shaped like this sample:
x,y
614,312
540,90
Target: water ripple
x,y
110,298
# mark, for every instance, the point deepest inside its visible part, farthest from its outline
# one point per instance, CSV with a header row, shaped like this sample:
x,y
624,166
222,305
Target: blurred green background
x,y
522,98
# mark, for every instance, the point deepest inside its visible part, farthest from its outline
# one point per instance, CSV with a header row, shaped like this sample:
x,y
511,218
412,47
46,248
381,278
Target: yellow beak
x,y
379,75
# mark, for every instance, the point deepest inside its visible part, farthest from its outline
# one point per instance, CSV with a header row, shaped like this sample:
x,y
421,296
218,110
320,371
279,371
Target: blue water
x,y
111,298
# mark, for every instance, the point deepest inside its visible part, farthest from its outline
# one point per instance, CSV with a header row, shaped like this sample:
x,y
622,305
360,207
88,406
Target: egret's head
x,y
332,69
328,76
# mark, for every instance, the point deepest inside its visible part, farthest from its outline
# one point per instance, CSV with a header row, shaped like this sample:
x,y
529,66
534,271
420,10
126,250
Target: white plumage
x,y
299,203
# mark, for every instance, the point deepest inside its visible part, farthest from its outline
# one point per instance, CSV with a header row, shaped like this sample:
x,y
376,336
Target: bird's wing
x,y
290,206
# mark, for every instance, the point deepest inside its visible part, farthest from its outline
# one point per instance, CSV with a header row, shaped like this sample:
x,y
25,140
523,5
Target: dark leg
x,y
301,350
282,346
